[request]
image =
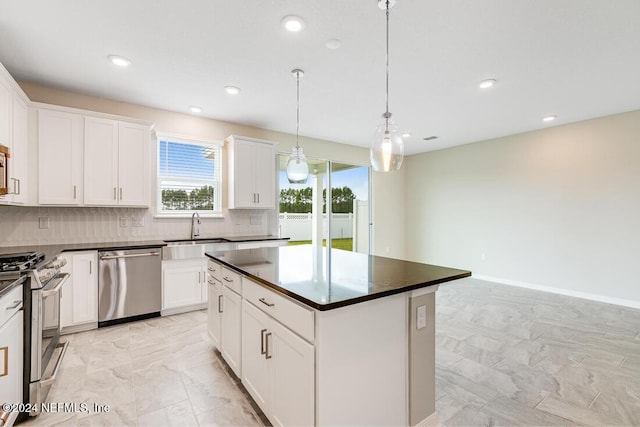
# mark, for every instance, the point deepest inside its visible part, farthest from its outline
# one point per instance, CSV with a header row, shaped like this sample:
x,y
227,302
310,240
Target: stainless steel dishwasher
x,y
129,285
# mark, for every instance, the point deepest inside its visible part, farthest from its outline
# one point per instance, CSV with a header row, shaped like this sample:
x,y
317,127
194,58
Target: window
x,y
189,175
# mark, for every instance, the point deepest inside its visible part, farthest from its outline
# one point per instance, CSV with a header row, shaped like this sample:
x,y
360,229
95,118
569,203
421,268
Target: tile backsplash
x,y
25,225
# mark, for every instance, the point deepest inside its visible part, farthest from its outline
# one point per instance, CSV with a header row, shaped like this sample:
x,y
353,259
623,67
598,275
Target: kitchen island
x,y
328,337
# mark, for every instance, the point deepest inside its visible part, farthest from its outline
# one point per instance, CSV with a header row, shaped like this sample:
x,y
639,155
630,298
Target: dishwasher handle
x,y
105,257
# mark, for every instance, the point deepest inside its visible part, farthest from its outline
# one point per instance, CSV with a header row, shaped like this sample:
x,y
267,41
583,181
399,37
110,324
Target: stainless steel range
x,y
43,350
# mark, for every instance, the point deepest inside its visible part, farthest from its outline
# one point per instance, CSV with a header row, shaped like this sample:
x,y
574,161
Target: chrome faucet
x,y
195,230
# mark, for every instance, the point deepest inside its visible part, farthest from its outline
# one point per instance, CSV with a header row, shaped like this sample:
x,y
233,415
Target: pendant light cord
x,y
297,108
387,114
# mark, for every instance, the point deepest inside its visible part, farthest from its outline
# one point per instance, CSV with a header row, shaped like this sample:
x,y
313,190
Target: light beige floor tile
x,y
179,414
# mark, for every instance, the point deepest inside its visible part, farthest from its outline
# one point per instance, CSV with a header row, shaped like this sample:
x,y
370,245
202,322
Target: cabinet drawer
x,y
10,304
231,279
294,316
214,270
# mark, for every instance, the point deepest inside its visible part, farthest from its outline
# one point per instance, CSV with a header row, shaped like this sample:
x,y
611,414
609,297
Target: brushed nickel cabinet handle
x,y
262,349
15,304
226,279
220,304
5,365
114,194
120,193
90,267
258,198
75,195
268,304
266,339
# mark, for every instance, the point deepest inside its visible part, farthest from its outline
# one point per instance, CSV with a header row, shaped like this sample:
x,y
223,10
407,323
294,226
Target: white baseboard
x,y
568,292
185,309
431,421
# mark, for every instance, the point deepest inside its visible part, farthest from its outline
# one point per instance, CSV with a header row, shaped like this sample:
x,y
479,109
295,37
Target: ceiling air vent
x,y
429,138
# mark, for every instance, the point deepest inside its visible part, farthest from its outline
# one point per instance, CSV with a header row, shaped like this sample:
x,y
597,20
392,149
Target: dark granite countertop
x,y
344,278
55,249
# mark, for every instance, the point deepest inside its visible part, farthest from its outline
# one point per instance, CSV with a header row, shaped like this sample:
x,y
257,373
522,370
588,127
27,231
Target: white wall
x,y
17,224
556,208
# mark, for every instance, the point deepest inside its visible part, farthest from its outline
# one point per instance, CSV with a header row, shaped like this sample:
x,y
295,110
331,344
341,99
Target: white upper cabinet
x,y
5,110
101,159
13,134
19,150
116,159
252,176
133,161
59,158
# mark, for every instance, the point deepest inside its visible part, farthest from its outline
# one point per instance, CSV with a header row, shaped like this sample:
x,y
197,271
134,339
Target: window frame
x,y
217,182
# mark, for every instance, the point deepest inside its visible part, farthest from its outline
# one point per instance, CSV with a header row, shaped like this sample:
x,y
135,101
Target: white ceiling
x,y
576,59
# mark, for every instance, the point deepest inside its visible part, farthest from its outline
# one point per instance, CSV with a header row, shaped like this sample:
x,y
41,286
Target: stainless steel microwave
x,y
4,170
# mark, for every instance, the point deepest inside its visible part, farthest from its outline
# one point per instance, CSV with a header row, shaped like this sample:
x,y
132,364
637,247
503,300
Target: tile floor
x,y
505,356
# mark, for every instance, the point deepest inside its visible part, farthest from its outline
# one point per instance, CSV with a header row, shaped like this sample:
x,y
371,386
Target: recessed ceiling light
x,y
406,135
548,118
195,109
333,44
293,23
232,90
120,61
486,84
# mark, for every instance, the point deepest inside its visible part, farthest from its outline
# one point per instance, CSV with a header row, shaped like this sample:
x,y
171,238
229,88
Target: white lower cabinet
x,y
224,314
183,285
277,368
79,297
230,329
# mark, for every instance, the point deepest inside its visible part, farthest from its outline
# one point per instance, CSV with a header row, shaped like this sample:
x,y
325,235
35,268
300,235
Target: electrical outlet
x,y
124,221
43,222
137,221
483,256
421,317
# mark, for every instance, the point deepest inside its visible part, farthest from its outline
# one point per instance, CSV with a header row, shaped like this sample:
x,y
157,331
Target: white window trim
x,y
171,137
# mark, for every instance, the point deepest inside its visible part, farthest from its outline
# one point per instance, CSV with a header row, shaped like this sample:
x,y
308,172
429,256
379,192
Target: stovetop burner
x,y
20,261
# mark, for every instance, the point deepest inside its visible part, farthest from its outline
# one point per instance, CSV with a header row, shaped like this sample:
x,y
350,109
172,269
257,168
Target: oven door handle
x,y
49,292
45,382
106,257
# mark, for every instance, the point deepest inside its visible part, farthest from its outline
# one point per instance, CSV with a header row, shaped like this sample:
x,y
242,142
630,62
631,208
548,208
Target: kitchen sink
x,y
194,248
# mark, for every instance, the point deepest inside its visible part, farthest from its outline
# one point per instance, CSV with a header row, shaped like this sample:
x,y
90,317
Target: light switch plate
x,y
421,317
137,221
124,221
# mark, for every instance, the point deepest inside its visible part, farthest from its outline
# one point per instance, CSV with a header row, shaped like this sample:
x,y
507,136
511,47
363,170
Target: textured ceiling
x,y
576,59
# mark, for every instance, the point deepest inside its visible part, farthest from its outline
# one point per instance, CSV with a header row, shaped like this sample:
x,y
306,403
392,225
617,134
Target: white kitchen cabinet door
x,y
100,161
291,373
79,297
244,175
230,335
19,151
11,354
251,173
133,160
214,311
5,110
265,183
182,283
59,158
255,366
84,277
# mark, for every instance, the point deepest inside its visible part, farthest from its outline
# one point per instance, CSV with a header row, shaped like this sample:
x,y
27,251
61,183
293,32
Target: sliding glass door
x,y
309,214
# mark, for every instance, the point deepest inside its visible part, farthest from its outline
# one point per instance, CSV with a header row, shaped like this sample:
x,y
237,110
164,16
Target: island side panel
x,y
362,363
422,357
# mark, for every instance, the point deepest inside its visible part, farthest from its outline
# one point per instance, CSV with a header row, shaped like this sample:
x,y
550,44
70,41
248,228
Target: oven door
x,y
45,336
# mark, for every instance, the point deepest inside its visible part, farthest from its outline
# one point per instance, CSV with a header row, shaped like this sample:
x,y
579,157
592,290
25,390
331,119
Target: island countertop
x,y
326,280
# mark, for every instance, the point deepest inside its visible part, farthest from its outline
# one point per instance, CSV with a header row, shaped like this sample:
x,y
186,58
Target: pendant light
x,y
387,148
297,167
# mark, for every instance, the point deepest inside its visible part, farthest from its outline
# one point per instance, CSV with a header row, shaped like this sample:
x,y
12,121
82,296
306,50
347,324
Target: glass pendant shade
x,y
387,149
297,167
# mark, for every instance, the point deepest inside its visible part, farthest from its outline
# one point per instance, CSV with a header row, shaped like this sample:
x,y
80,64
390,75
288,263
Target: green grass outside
x,y
346,244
